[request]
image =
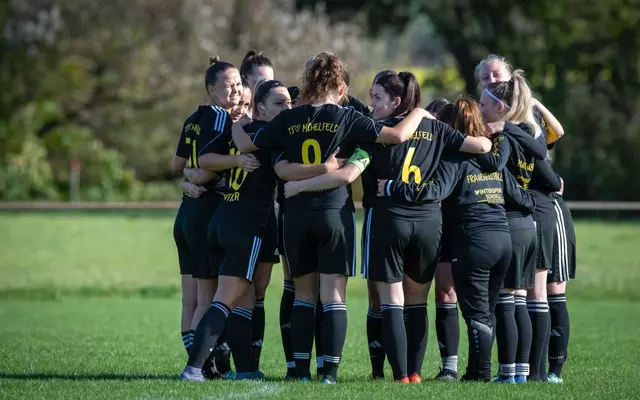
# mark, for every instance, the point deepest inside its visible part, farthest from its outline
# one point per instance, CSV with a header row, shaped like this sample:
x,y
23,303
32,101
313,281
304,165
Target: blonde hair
x,y
492,59
516,95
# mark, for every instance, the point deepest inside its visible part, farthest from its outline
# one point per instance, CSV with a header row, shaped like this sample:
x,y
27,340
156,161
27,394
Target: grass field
x,y
89,308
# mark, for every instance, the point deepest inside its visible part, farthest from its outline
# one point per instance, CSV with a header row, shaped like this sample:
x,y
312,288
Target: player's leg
x,y
523,320
240,335
286,308
447,323
537,302
374,314
564,263
421,259
188,283
336,235
301,255
374,332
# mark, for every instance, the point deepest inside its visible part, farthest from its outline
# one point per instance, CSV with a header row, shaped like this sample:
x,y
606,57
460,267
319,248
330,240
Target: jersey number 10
x,y
238,175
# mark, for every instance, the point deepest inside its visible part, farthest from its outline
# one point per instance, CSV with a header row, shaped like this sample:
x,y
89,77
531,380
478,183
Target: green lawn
x,y
89,308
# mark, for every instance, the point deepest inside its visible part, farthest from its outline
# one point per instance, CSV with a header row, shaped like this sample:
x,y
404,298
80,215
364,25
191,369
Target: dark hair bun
x,y
213,60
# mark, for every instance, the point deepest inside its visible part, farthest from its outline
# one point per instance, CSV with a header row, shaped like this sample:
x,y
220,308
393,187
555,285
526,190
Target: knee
x,y
446,294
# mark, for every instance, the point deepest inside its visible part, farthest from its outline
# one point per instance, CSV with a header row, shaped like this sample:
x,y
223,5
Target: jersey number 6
x,y
317,156
408,169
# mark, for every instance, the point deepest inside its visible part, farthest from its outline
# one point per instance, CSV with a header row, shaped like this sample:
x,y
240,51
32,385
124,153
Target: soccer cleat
x,y
415,378
520,379
230,375
259,375
191,376
447,375
553,378
502,379
304,379
404,381
327,380
243,376
377,377
290,376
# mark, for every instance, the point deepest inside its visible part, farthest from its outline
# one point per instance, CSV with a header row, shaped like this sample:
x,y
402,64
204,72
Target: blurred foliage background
x,y
110,83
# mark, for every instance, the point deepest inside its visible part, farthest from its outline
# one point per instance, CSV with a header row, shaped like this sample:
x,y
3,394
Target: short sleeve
x,y
451,139
270,137
361,129
183,149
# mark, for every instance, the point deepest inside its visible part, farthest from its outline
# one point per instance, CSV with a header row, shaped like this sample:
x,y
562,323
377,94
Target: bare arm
x,y
554,128
191,189
296,171
476,145
199,176
218,162
403,130
240,138
178,164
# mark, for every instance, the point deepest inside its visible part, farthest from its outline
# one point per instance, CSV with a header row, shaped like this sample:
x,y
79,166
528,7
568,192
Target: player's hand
x,y
248,162
189,173
491,128
194,190
381,184
333,162
244,120
291,189
561,187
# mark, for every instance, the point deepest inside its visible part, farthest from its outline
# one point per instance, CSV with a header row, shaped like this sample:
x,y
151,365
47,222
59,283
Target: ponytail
x,y
516,95
467,117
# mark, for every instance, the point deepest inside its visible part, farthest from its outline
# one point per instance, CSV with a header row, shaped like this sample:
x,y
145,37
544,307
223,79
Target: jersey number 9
x,y
408,169
313,145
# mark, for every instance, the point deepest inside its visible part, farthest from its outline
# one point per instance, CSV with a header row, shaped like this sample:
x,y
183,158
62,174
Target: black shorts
x,y
522,268
563,265
279,218
546,232
269,252
393,247
234,244
447,242
184,256
194,223
320,241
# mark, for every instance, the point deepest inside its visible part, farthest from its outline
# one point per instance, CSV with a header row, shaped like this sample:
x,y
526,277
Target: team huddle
x,y
461,193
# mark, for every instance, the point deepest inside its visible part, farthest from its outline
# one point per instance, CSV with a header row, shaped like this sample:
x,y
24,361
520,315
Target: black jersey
x,y
518,202
250,193
474,199
413,161
357,105
309,135
200,130
544,183
516,150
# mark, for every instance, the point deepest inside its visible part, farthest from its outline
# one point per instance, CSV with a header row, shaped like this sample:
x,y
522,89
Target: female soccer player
x,y
400,245
239,229
223,86
319,228
255,67
245,102
482,247
511,101
496,68
436,105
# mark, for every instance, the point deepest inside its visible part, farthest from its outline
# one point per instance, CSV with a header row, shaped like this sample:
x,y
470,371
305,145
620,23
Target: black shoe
x,y
474,378
210,373
446,375
291,375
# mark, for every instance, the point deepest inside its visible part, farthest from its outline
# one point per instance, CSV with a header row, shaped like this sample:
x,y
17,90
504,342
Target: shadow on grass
x,y
87,377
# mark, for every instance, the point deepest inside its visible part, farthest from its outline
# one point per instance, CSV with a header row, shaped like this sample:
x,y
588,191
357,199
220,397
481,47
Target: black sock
x,y
376,343
240,339
334,332
258,333
222,354
417,335
302,318
559,339
539,314
187,340
286,307
523,321
211,326
506,334
395,338
319,337
448,332
480,343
